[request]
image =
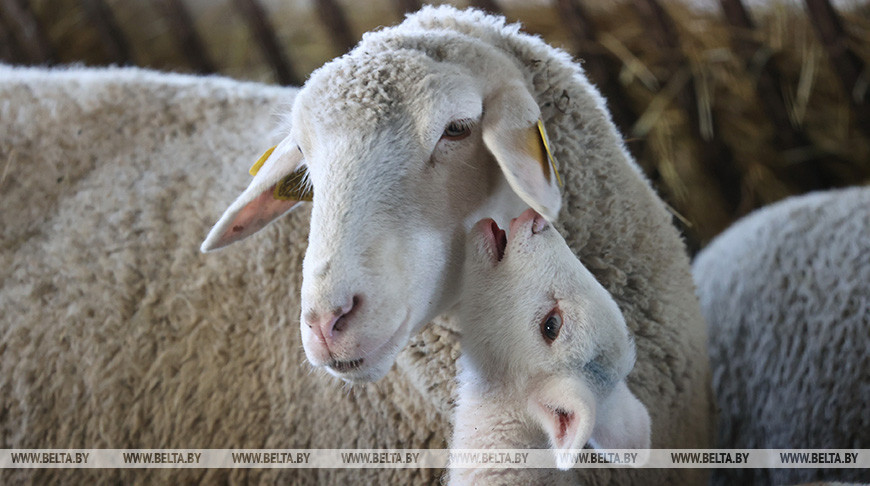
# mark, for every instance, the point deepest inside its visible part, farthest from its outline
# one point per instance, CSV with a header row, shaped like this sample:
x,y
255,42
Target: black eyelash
x,y
465,123
458,129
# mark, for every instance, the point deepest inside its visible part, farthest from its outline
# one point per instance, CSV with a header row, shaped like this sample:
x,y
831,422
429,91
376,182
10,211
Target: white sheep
x,y
424,129
545,354
114,334
786,293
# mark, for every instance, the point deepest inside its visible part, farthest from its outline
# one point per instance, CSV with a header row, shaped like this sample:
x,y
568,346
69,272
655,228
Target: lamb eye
x,y
457,130
551,326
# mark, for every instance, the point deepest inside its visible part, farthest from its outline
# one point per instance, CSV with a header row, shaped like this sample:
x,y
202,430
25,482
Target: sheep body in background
x,y
545,354
786,293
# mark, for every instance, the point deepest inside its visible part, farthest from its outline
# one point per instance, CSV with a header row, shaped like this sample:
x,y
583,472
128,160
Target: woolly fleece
x,y
786,292
118,333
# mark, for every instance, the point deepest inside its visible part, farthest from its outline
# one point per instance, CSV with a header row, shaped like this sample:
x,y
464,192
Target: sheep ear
x,y
514,134
565,409
622,423
278,186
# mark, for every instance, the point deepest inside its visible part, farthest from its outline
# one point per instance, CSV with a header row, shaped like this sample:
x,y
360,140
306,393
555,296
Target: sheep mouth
x,y
373,362
496,239
345,366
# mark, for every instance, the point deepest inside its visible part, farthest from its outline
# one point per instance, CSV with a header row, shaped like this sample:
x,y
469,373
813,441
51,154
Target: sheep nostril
x,y
345,313
538,224
326,324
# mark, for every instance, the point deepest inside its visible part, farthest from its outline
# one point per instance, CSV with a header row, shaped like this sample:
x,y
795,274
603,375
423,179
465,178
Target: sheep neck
x,y
490,416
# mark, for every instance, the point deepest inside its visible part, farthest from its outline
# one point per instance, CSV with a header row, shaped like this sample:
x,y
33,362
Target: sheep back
x,y
786,293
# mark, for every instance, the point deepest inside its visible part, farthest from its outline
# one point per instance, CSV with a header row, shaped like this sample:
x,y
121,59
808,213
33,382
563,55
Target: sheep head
x,y
405,143
542,335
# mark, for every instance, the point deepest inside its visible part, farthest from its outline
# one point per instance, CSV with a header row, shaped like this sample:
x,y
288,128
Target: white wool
x,y
786,292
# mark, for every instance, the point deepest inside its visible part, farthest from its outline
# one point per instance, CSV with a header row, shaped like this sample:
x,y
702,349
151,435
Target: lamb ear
x,y
565,409
272,193
514,136
622,423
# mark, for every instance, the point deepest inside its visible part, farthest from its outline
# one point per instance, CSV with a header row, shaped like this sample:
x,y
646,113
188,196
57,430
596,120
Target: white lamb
x,y
545,354
786,292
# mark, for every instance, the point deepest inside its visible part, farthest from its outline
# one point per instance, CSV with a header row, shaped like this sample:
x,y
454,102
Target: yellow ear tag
x,y
293,187
546,142
262,160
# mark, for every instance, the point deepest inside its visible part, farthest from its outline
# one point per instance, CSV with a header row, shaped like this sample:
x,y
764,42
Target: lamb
x,y
424,129
545,353
115,334
786,292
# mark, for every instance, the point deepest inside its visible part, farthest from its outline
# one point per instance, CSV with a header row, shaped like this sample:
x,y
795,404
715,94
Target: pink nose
x,y
538,221
326,324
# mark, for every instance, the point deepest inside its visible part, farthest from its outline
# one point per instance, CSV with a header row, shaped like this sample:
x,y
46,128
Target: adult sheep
x,y
786,292
115,334
419,132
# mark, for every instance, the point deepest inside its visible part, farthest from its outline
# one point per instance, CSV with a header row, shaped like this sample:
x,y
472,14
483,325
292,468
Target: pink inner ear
x,y
255,215
564,423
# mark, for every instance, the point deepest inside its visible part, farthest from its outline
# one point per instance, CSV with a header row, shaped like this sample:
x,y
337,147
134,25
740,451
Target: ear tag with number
x,y
546,143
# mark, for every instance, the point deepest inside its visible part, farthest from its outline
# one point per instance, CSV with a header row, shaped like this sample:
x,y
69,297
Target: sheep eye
x,y
551,326
457,130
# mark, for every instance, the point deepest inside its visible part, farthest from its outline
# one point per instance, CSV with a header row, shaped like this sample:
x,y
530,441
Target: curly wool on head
x,y
364,86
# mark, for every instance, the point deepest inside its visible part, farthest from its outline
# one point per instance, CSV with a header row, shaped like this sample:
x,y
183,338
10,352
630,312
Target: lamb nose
x,y
328,323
